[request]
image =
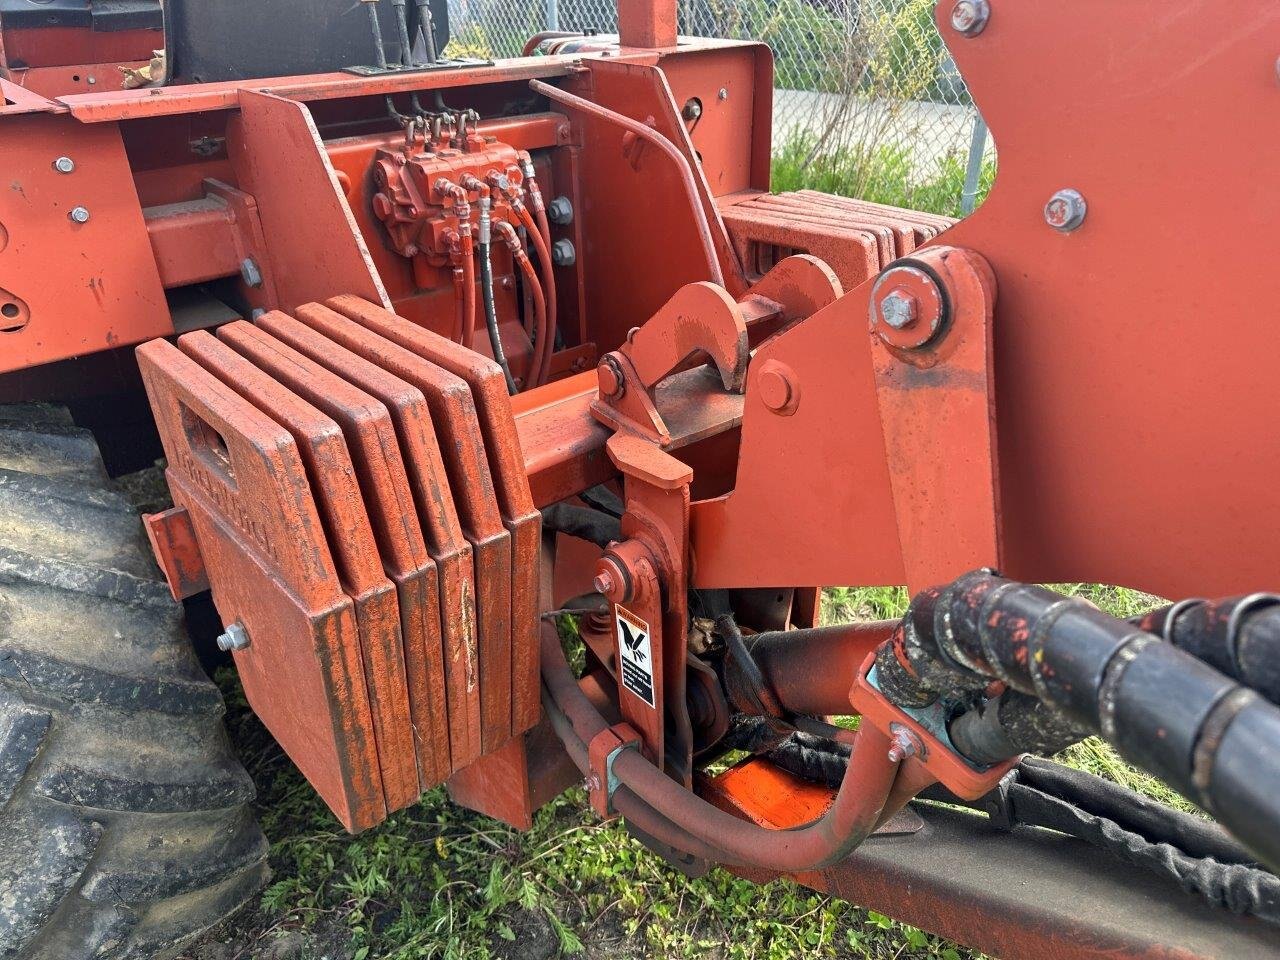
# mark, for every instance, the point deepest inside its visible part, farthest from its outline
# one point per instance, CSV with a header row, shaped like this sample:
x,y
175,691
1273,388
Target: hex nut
x,y
969,17
250,273
563,253
1065,210
899,309
64,165
560,211
236,637
609,372
79,215
692,109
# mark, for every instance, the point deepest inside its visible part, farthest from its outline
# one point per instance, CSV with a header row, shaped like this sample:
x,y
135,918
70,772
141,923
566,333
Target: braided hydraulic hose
x,y
1163,709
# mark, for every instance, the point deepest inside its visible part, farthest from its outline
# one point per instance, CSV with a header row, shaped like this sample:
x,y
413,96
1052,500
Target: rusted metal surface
x,y
240,477
173,541
522,520
396,544
935,390
344,511
456,423
439,522
1026,895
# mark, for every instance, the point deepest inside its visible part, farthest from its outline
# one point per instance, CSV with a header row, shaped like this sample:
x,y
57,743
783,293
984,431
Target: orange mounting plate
x,y
927,728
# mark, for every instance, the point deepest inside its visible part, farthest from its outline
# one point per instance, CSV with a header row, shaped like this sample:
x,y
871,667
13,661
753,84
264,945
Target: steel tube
x,y
812,671
848,821
652,136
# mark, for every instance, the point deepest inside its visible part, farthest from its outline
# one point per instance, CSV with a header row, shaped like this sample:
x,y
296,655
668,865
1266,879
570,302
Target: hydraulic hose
x,y
486,280
1162,708
1238,635
509,237
852,816
542,228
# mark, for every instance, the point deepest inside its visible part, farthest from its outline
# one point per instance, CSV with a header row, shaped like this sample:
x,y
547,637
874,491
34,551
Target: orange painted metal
x,y
173,541
280,159
939,760
438,518
456,423
647,23
345,519
242,480
511,482
937,411
395,546
1110,381
107,292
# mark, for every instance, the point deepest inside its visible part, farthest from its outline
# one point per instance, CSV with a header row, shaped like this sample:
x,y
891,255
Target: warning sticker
x,y
635,655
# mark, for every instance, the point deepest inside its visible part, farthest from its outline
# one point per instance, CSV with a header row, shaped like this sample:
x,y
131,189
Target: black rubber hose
x,y
1239,636
1163,709
491,313
582,523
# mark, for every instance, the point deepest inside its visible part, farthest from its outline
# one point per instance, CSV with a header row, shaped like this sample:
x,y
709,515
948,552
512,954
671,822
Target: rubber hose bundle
x,y
1162,708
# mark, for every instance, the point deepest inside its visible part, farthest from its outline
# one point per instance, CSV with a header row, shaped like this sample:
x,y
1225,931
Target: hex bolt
x,y
969,17
64,165
903,746
1065,210
723,93
236,637
609,372
79,215
603,583
899,310
692,109
560,210
250,273
563,253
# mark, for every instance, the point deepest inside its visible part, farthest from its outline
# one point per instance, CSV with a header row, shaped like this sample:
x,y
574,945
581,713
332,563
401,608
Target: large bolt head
x,y
250,273
969,17
563,254
899,309
612,382
1065,210
560,210
236,637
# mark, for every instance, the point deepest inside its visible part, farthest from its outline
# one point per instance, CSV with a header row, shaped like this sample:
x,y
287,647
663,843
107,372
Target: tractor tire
x,y
125,825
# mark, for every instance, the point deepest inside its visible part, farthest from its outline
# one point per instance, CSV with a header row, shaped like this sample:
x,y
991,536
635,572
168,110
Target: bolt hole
x,y
75,78
10,311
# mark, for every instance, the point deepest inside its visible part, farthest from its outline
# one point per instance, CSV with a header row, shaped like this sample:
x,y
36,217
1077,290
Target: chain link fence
x,y
866,77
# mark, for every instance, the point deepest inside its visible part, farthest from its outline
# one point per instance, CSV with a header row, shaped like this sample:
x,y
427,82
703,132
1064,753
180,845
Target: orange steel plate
x,y
453,411
522,520
342,515
436,512
240,477
388,503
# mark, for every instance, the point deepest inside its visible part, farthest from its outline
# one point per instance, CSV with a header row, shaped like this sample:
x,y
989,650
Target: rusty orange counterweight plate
x,y
241,479
342,515
453,412
388,502
437,514
506,461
